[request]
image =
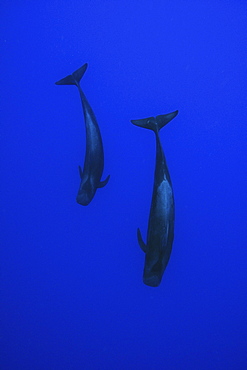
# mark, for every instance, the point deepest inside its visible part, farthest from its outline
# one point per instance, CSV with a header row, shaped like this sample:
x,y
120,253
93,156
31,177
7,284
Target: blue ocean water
x,y
71,288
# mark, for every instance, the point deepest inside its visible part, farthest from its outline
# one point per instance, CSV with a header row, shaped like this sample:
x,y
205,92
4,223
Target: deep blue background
x,y
72,295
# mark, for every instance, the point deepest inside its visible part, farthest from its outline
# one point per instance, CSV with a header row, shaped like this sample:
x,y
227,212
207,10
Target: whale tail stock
x,y
74,78
155,123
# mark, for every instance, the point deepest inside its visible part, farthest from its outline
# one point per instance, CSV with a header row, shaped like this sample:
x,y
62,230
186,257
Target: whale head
x,y
86,192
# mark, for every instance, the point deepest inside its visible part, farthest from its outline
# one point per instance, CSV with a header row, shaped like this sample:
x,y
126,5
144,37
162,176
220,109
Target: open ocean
x,y
71,289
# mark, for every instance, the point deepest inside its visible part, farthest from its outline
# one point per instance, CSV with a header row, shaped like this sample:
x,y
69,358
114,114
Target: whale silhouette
x,y
94,158
161,218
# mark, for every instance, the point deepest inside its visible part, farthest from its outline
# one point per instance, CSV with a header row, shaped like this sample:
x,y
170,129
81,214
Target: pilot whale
x,y
161,218
94,158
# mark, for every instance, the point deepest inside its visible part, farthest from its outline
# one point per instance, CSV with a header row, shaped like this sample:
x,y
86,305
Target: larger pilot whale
x,y
161,218
94,158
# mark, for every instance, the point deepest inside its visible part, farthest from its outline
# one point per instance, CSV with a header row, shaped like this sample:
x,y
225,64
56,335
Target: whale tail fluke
x,y
74,78
155,123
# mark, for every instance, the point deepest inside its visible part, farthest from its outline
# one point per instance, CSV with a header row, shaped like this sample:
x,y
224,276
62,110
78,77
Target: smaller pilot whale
x,y
161,218
94,158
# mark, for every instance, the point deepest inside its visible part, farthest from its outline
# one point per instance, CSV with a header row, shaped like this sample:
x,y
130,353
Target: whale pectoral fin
x,y
141,242
80,172
103,183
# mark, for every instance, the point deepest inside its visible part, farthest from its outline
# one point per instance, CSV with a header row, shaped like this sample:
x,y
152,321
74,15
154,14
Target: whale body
x,y
160,232
93,167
